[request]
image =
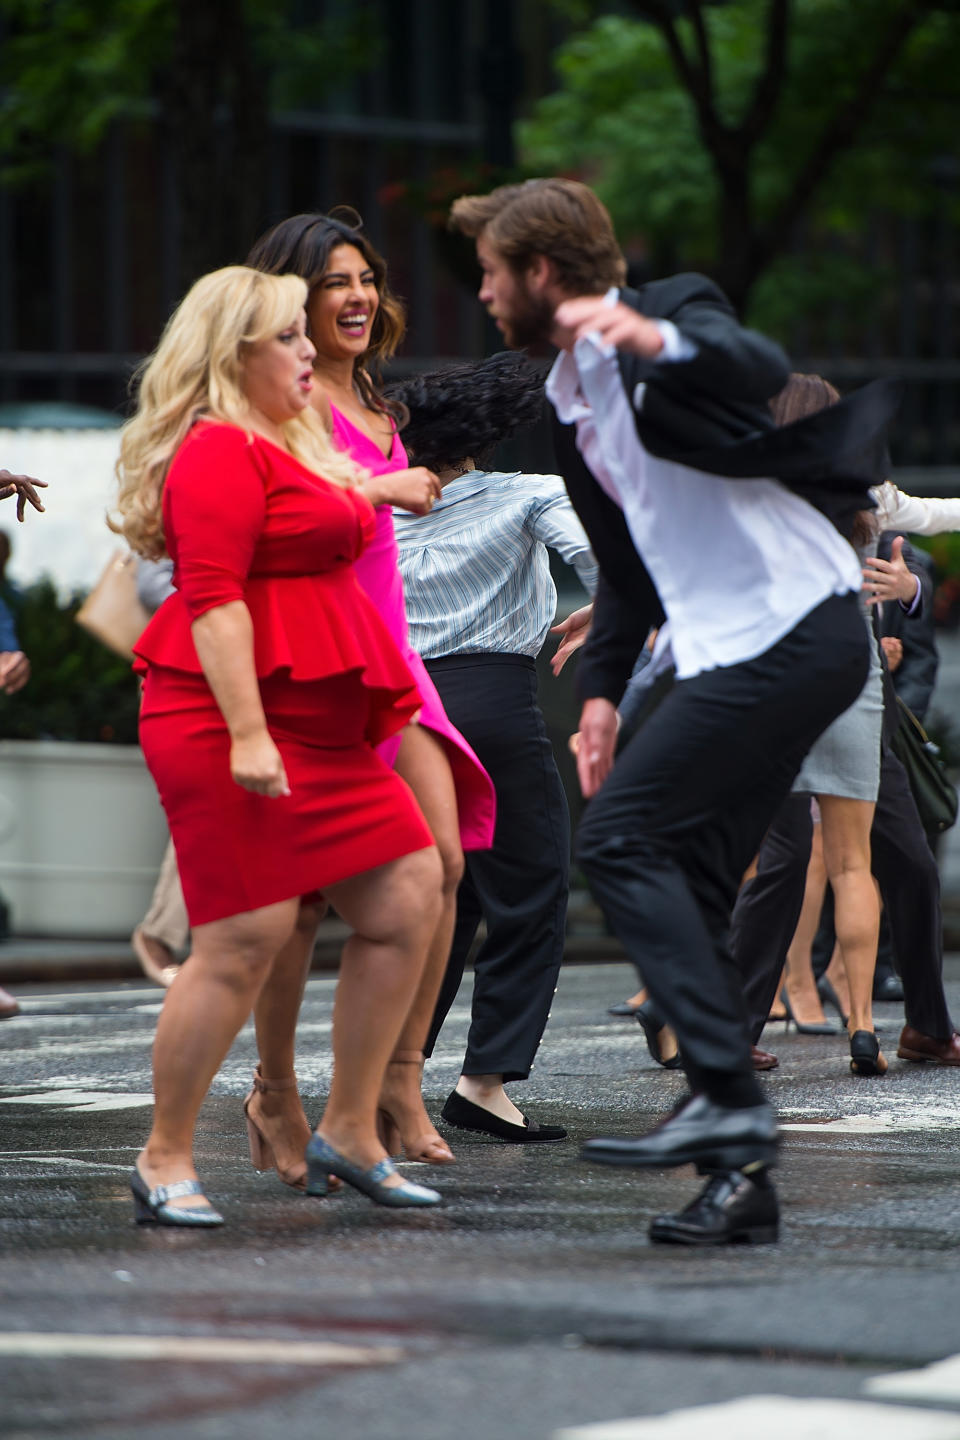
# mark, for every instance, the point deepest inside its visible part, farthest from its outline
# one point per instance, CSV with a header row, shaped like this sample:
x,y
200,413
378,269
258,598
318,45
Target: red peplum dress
x,y
244,520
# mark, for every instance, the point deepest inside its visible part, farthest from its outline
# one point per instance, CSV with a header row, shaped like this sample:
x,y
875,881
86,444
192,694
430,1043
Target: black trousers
x,y
520,886
665,842
905,870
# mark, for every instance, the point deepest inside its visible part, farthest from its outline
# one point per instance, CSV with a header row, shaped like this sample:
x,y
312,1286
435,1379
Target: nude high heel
x,y
429,1148
261,1150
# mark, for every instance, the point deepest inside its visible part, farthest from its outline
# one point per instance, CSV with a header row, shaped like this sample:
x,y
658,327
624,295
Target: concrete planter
x,y
81,837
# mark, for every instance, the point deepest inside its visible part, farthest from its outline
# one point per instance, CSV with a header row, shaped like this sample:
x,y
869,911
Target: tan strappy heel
x,y
261,1150
429,1148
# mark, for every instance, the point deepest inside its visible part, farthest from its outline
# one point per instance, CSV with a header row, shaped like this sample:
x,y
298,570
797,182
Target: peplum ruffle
x,y
309,627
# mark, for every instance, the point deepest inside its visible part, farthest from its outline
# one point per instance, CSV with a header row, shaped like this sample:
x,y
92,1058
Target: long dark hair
x,y
804,395
302,246
466,410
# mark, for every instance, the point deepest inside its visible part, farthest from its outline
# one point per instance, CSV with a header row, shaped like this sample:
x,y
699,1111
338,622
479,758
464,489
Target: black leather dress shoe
x,y
624,1008
701,1133
731,1209
465,1115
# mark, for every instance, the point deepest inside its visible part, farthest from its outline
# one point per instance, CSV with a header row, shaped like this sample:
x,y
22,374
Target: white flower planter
x,y
82,835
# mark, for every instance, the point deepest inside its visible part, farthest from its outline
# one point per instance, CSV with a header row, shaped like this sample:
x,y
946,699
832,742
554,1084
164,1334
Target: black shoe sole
x,y
744,1235
747,1158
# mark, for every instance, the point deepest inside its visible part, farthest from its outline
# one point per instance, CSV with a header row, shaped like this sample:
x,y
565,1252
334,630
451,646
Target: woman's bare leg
x,y
800,985
423,763
279,1113
846,852
201,1017
393,912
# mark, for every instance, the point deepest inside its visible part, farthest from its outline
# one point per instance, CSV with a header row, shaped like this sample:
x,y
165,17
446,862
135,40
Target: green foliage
x,y
72,66
78,690
623,120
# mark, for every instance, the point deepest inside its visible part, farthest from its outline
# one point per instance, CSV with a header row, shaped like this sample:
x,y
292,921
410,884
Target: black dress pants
x,y
520,886
665,842
905,870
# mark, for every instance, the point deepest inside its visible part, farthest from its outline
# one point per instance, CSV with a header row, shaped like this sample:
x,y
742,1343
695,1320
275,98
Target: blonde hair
x,y
197,370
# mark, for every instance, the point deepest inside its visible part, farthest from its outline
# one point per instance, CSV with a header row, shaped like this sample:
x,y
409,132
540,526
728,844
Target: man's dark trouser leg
x,y
666,841
768,907
910,887
522,883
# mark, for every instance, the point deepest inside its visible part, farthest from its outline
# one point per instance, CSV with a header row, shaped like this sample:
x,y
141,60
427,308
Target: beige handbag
x,y
112,611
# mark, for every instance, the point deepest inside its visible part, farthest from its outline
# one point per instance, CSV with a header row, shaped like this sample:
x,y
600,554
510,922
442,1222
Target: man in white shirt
x,y
668,451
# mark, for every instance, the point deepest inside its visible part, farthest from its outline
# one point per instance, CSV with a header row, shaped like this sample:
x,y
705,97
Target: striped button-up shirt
x,y
476,571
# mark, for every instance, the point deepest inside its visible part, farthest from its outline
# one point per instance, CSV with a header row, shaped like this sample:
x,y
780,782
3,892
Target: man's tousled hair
x,y
561,219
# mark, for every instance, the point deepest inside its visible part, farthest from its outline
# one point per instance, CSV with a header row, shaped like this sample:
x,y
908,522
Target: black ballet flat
x,y
865,1056
465,1115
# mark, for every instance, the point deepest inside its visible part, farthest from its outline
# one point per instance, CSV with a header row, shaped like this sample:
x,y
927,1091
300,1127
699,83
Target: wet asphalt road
x,y
529,1301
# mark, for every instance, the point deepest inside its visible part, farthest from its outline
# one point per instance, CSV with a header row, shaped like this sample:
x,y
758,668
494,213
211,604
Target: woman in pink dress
x,y
353,320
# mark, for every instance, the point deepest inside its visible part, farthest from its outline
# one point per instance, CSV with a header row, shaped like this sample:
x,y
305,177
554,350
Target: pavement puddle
x,y
195,1349
786,1417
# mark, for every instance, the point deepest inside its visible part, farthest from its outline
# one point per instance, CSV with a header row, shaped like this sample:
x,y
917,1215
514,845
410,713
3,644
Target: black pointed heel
x,y
652,1024
829,996
818,1029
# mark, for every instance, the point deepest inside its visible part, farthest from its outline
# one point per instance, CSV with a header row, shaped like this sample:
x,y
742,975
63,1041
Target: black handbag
x,y
933,791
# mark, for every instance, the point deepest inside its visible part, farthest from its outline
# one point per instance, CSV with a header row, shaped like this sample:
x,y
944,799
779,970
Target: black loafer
x,y
652,1024
624,1008
466,1116
732,1209
700,1132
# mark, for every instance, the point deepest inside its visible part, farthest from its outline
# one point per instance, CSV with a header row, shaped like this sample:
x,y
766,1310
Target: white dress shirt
x,y
476,574
737,563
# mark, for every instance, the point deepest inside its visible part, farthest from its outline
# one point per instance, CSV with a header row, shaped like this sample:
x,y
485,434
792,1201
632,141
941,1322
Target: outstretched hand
x,y
617,325
574,630
24,487
889,579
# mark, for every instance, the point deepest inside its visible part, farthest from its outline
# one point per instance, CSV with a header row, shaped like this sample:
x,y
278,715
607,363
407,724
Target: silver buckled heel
x,y
153,1207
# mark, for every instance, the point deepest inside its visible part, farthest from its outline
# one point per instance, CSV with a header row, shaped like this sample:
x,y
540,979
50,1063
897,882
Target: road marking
x,y
785,1416
899,1112
937,1382
62,1162
196,1348
88,1100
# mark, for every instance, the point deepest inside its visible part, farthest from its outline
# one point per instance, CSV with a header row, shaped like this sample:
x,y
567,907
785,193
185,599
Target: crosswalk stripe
x,y
197,1348
786,1417
936,1383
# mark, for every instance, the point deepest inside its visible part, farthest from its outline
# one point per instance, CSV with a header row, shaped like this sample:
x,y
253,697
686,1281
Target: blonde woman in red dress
x,y
269,678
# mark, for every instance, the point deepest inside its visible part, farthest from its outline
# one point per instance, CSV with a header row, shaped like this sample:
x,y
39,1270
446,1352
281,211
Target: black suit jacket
x,y
915,677
710,412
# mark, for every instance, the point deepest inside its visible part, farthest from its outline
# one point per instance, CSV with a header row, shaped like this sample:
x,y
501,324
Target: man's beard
x,y
529,323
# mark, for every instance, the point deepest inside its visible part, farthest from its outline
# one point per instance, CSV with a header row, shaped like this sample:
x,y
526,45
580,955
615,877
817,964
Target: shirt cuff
x,y
914,605
675,346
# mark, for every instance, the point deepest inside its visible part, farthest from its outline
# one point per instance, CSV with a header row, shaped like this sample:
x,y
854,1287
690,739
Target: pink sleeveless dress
x,y
378,571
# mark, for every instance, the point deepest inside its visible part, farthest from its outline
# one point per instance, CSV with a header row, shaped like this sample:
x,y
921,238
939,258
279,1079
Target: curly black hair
x,y
466,410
